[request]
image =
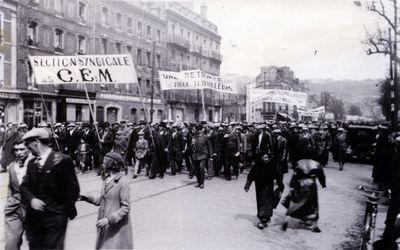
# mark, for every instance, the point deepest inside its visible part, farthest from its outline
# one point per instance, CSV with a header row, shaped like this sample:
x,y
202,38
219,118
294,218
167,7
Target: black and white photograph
x,y
200,124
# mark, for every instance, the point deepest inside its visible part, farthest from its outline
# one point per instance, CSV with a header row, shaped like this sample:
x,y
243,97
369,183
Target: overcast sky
x,y
316,38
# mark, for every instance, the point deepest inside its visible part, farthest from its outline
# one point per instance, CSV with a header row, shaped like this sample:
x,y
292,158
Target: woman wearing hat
x,y
114,230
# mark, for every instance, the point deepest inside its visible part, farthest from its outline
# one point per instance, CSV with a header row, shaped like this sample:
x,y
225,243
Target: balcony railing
x,y
177,40
216,56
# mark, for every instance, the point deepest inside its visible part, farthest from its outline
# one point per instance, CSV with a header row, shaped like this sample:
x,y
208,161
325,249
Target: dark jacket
x,y
176,144
72,141
59,188
201,147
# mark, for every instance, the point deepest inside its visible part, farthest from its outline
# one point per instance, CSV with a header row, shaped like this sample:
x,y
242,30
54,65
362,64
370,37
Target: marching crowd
x,y
39,192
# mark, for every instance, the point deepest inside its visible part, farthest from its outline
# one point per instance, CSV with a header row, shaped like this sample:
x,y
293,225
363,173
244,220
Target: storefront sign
x,y
278,96
195,79
97,69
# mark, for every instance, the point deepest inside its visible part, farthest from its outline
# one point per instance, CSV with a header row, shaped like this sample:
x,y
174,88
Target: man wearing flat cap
x,y
49,190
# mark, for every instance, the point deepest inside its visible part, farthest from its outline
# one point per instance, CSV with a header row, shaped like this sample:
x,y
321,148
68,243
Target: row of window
x,y
58,38
128,24
194,38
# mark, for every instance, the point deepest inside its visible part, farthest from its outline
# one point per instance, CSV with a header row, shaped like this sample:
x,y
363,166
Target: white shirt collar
x,y
44,156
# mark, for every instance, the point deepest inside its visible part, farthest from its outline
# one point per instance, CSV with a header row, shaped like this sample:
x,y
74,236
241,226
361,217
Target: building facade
x,y
136,29
158,35
9,95
272,77
193,42
77,27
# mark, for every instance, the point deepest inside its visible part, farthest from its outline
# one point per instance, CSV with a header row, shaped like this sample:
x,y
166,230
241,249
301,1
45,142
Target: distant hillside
x,y
347,90
363,93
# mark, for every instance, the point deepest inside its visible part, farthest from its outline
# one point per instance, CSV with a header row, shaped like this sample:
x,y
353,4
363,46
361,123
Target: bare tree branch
x,y
381,12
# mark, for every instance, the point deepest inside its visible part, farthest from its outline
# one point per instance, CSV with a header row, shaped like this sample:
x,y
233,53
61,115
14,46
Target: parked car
x,y
361,141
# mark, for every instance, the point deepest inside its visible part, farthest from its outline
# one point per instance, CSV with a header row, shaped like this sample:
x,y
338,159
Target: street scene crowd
x,y
43,164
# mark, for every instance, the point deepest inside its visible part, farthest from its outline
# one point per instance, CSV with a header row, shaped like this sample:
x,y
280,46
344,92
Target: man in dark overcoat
x,y
49,190
7,155
231,152
202,151
263,175
175,149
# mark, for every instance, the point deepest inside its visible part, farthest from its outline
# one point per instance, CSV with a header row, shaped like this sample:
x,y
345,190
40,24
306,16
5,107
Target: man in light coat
x,y
14,210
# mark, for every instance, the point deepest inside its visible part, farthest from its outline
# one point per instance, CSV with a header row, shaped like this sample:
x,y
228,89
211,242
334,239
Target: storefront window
x,y
35,113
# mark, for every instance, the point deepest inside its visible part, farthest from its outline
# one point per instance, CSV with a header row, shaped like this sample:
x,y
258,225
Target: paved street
x,y
172,214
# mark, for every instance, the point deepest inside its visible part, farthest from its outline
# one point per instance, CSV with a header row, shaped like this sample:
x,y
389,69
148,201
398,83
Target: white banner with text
x,y
278,96
196,79
97,69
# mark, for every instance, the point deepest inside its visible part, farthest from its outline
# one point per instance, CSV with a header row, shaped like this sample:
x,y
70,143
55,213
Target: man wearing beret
x,y
49,190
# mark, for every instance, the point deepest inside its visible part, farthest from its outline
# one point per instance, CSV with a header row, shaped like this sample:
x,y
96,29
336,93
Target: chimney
x,y
203,10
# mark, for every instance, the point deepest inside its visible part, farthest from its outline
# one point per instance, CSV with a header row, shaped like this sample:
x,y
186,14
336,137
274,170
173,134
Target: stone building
x,y
168,34
9,95
122,27
273,77
193,42
73,27
51,28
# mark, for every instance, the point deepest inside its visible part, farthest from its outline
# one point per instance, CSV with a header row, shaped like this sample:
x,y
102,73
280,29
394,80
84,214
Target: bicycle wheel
x,y
366,233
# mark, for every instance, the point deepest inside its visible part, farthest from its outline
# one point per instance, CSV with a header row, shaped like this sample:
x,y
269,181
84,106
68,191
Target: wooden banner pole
x,y
48,117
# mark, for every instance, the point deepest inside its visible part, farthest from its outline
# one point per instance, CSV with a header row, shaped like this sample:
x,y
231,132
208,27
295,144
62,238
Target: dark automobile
x,y
361,140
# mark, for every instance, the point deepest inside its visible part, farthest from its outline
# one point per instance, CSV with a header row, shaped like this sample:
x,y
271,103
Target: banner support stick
x,y
92,113
204,105
48,117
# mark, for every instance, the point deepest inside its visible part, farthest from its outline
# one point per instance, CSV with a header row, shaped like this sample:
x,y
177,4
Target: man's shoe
x,y
134,177
261,225
316,229
196,186
3,171
284,226
161,176
202,186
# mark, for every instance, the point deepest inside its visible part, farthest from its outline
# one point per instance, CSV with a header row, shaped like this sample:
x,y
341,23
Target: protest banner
x,y
95,69
195,79
279,96
315,112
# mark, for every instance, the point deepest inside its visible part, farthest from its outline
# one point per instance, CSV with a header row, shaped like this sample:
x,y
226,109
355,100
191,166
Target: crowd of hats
x,y
272,126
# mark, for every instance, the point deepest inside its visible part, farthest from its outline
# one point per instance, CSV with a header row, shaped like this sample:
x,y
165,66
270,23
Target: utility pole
x,y
394,87
393,71
153,83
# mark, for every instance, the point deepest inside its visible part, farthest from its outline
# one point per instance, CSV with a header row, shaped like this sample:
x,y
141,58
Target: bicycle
x,y
371,211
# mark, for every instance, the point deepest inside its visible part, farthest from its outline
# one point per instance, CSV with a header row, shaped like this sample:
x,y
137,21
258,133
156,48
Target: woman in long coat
x,y
114,229
302,201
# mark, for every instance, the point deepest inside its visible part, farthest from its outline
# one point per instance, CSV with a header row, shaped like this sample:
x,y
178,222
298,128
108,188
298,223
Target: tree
x,y
384,41
354,110
337,108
